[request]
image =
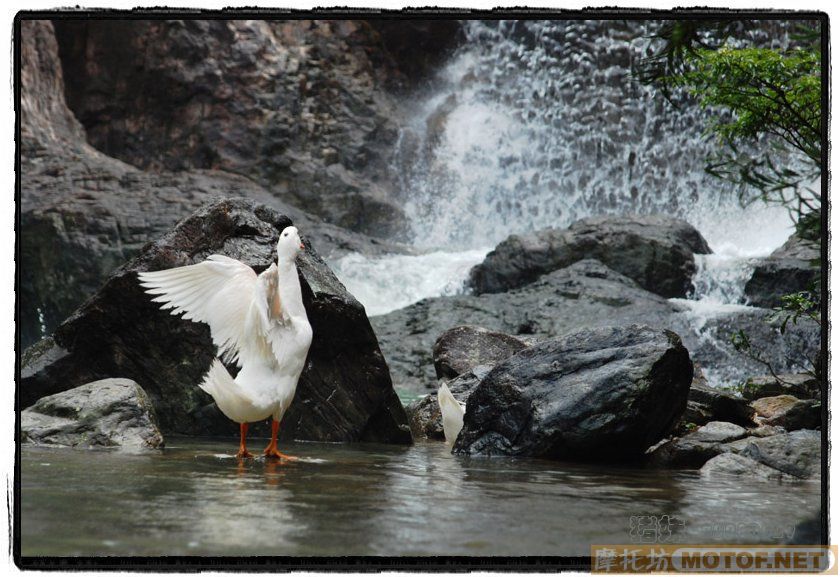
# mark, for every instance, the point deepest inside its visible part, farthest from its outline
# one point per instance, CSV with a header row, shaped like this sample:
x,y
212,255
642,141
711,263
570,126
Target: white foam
x,y
386,283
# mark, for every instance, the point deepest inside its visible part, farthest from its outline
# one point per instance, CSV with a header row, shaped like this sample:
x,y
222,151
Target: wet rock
x,y
789,412
344,394
791,268
655,251
461,348
797,454
605,393
424,415
586,293
735,464
106,413
299,106
801,386
707,404
694,449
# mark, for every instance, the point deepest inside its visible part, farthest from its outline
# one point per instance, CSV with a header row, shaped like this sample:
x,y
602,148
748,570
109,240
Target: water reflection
x,y
194,499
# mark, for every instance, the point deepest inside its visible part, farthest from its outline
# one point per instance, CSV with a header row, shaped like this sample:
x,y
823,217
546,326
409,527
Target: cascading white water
x,y
541,123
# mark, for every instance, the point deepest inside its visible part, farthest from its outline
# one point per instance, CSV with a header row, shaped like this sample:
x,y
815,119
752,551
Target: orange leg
x,y
243,432
271,449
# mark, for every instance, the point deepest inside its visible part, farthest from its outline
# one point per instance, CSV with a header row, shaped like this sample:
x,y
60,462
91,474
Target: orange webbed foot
x,y
244,454
273,453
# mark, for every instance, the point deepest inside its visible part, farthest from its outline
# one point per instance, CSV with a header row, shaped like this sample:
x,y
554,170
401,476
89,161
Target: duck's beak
x,y
301,245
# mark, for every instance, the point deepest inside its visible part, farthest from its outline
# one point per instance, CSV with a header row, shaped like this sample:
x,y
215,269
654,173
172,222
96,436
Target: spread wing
x,y
218,291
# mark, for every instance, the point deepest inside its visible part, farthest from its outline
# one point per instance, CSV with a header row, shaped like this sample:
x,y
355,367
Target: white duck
x,y
452,414
257,321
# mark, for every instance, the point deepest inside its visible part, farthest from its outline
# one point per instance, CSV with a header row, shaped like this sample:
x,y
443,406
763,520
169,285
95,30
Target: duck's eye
x,y
285,234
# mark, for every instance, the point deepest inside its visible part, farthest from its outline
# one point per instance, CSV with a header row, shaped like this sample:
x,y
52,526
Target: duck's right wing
x,y
218,291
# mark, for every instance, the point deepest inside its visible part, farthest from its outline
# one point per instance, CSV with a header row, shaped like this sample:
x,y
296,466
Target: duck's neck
x,y
288,285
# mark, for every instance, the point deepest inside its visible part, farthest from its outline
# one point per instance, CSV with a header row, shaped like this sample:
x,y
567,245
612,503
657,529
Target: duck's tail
x,y
227,393
452,414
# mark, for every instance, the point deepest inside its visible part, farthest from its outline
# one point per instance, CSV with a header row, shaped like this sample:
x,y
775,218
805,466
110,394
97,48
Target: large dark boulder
x,y
107,413
655,251
461,348
344,394
605,393
791,268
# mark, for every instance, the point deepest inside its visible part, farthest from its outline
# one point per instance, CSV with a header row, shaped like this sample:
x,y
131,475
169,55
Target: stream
x,y
195,498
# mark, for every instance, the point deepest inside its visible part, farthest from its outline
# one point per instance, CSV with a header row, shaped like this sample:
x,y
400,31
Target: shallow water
x,y
193,498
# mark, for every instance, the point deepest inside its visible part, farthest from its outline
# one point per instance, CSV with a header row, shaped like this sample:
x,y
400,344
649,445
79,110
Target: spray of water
x,y
540,123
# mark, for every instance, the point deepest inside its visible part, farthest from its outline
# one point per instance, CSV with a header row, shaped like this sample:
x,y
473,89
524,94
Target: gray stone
x,y
655,251
798,454
735,464
106,413
605,393
694,449
791,268
459,349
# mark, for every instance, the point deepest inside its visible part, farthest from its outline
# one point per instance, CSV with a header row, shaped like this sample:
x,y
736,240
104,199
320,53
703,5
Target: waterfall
x,y
534,124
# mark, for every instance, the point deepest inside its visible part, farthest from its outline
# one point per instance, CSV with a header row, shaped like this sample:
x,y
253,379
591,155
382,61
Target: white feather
x,y
217,291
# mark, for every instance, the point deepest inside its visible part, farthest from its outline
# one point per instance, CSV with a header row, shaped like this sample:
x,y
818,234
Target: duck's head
x,y
289,244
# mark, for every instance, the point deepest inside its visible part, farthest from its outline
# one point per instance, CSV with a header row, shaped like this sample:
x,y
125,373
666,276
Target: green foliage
x,y
766,90
756,94
797,305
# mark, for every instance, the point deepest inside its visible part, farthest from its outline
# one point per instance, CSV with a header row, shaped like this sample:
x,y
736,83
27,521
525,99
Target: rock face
x,y
790,268
83,213
655,251
601,393
424,416
107,413
461,348
302,107
345,391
